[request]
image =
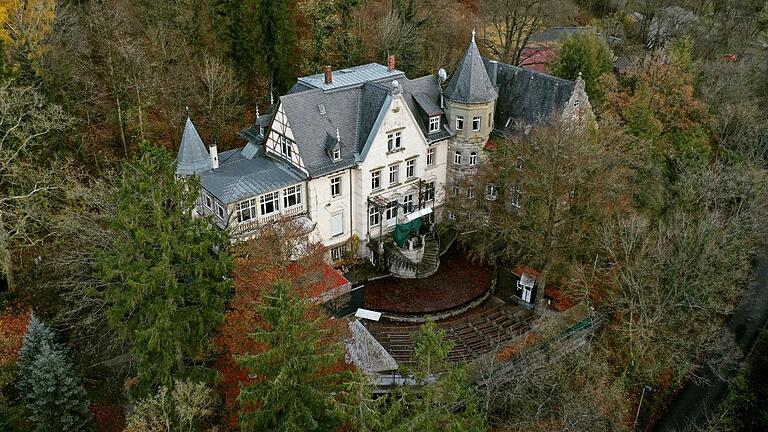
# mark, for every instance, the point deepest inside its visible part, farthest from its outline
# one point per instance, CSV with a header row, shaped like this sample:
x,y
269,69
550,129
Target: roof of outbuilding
x,y
192,157
470,82
526,96
238,177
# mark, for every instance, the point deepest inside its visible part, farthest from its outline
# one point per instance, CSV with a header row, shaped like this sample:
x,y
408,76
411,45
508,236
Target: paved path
x,y
696,401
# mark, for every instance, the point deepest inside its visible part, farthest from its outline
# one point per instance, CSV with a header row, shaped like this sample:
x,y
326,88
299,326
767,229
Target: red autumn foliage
x,y
516,348
260,263
108,417
13,327
560,300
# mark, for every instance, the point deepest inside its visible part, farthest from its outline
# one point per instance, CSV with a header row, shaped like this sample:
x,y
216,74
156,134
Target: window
x,y
246,210
285,147
393,141
491,192
269,203
429,191
337,224
473,158
373,217
516,195
335,187
337,153
456,190
576,102
410,168
375,179
470,191
291,196
434,123
338,252
408,203
459,122
207,200
451,215
220,211
394,174
509,122
476,123
457,158
430,156
390,215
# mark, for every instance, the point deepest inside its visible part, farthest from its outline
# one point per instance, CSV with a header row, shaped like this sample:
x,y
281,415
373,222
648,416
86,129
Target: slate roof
x,y
470,82
193,158
525,95
349,77
238,177
314,114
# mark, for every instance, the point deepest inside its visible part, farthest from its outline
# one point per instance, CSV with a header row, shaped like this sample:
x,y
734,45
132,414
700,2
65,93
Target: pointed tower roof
x,y
192,158
470,82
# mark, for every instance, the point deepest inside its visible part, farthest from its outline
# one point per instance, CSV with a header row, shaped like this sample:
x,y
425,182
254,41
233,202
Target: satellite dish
x,y
442,74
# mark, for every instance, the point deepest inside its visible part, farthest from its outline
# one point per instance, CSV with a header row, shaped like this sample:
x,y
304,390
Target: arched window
x,y
473,158
457,157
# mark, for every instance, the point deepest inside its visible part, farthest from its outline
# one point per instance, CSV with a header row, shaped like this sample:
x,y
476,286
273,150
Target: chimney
x,y
391,62
214,156
328,75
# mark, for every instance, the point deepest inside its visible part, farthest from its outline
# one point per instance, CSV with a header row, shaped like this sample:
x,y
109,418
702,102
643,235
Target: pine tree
x,y
54,396
296,383
166,273
277,43
440,400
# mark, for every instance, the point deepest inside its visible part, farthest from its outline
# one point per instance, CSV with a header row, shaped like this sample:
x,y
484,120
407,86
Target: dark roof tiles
x,y
470,82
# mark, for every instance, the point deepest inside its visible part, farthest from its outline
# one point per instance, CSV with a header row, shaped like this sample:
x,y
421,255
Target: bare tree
x,y
27,123
512,22
222,94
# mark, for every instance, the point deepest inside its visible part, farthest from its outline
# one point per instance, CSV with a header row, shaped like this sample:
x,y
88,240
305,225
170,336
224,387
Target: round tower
x,y
470,102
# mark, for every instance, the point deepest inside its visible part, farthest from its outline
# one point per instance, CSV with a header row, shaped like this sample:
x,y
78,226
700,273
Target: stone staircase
x,y
431,259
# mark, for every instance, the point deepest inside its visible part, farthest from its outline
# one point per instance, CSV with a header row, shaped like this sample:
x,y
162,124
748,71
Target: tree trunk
x,y
122,128
141,120
6,260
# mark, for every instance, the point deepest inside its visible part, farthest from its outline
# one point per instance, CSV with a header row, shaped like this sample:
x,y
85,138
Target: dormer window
x,y
336,153
393,141
434,123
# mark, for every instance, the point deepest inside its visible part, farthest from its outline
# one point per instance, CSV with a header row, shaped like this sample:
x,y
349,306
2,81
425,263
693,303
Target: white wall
x,y
356,182
398,118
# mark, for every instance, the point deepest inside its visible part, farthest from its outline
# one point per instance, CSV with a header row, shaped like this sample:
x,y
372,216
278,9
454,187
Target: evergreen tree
x,y
54,396
238,31
586,54
296,385
166,274
277,43
440,400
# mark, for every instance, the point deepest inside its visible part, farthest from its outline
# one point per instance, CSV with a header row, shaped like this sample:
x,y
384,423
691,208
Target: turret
x,y
470,101
193,158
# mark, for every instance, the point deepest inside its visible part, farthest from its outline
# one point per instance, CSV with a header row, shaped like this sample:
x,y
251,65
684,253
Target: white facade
x,y
338,202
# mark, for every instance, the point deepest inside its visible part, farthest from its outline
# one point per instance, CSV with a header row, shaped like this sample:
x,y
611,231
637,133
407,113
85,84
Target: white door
x,y
527,294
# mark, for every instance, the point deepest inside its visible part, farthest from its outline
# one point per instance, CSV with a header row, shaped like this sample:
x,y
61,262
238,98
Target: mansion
x,y
360,151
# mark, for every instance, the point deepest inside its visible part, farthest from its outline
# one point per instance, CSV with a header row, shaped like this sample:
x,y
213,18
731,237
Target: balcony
x,y
244,230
